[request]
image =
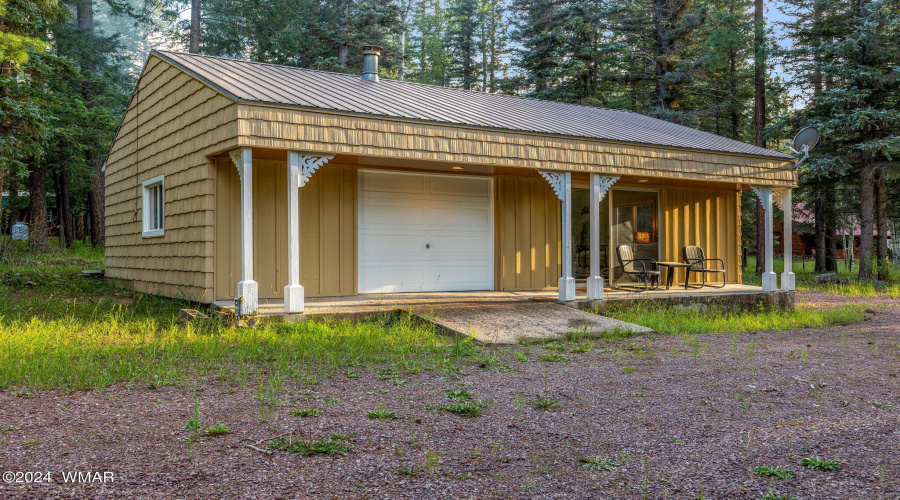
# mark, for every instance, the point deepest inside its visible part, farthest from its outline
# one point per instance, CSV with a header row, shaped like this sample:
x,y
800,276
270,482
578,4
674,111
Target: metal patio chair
x,y
696,257
644,270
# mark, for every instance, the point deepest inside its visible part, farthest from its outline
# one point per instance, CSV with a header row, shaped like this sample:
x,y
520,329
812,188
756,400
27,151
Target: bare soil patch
x,y
694,418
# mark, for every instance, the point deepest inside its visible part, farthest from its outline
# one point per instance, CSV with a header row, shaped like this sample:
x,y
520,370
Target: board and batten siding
x,y
708,218
528,238
283,128
327,230
172,123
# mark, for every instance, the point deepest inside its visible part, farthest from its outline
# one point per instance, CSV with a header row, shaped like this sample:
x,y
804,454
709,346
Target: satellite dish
x,y
807,139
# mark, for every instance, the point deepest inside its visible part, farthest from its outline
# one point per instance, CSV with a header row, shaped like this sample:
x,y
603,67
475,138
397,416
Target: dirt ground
x,y
693,419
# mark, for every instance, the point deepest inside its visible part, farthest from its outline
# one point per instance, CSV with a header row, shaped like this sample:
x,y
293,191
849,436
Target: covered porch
x,y
325,232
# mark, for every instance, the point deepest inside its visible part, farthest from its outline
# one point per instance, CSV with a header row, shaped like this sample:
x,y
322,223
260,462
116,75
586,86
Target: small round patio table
x,y
670,271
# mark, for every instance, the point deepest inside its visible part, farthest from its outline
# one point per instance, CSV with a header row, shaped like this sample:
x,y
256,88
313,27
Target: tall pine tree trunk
x,y
61,240
660,37
343,50
97,191
65,211
194,46
97,195
867,218
831,261
881,222
819,221
39,234
759,122
79,227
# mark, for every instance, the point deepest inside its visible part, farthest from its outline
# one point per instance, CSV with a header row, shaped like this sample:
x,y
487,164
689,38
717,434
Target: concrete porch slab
x,y
494,316
506,323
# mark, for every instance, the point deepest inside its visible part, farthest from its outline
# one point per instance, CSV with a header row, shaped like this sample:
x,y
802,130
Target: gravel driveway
x,y
673,417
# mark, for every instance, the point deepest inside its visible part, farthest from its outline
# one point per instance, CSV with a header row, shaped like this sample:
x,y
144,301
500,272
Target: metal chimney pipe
x,y
370,62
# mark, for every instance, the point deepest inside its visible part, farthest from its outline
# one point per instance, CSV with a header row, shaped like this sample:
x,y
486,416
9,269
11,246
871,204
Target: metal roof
x,y
291,86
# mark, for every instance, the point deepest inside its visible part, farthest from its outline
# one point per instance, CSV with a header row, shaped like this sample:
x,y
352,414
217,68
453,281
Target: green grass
x,y
884,404
468,409
60,330
598,463
859,289
543,403
715,320
381,413
218,429
333,445
771,495
458,394
816,463
123,345
806,279
66,331
776,472
306,412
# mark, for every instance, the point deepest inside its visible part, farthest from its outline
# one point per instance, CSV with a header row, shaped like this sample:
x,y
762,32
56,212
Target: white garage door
x,y
424,233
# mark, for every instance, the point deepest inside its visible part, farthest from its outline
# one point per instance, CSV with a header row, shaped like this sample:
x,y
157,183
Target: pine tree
x,y
846,53
464,19
538,30
494,43
429,48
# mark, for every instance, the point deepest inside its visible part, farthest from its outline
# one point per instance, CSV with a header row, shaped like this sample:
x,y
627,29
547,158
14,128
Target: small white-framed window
x,y
154,203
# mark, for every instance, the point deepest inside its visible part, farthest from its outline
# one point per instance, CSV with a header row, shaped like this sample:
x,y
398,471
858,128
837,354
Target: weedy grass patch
x,y
850,286
306,412
469,409
62,330
691,321
771,495
335,444
884,404
218,429
381,413
542,403
776,472
817,463
599,463
458,394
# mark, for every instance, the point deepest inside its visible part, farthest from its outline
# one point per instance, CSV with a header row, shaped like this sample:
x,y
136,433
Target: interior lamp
x,y
642,237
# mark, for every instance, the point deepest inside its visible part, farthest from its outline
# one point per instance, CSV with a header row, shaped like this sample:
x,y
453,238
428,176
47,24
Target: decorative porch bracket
x,y
247,289
308,163
769,279
561,182
599,187
300,168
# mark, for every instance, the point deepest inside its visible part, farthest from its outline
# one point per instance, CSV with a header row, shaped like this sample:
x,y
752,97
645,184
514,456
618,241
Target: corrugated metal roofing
x,y
291,86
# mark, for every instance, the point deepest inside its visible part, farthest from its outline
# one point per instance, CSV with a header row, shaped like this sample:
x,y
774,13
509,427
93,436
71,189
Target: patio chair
x,y
696,257
644,270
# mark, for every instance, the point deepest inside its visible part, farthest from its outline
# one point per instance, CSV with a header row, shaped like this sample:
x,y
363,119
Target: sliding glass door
x,y
636,224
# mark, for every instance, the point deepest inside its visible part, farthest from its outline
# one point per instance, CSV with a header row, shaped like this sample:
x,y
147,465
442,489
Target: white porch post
x,y
300,167
562,186
599,186
247,289
769,278
788,281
